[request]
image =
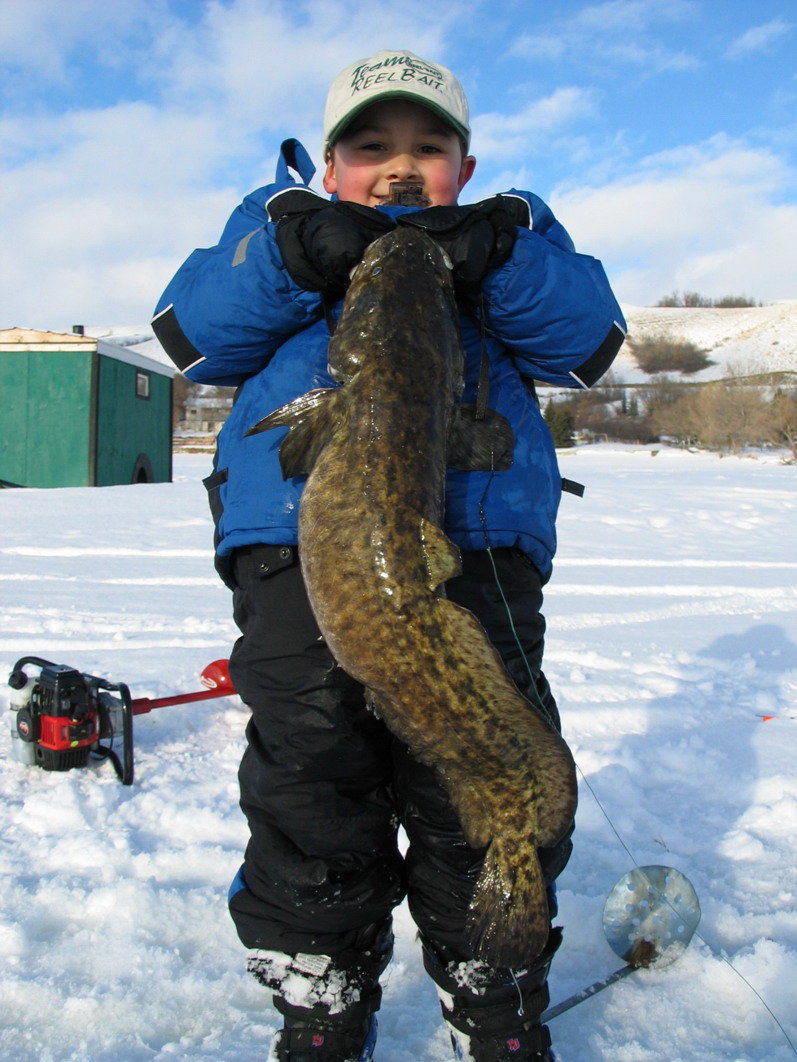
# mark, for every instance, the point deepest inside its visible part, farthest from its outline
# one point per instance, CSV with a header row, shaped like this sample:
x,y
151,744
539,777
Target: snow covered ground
x,y
672,632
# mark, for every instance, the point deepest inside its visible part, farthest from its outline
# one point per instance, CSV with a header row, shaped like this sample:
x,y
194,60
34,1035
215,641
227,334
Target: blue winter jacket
x,y
233,316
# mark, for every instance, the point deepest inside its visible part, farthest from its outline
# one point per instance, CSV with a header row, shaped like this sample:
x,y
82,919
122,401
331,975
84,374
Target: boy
x,y
324,785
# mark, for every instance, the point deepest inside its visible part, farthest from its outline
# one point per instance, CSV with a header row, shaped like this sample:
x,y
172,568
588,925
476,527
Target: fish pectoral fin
x,y
372,701
311,420
443,559
479,445
470,806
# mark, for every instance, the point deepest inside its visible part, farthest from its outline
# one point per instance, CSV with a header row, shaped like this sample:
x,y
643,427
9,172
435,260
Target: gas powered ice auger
x,y
61,716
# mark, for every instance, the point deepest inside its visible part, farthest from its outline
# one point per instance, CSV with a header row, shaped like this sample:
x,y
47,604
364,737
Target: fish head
x,y
397,270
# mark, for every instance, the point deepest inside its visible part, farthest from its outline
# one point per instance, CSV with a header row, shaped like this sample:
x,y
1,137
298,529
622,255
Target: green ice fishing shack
x,y
76,411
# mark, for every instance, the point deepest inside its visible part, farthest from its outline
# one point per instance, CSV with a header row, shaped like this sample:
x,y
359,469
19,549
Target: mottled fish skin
x,y
374,558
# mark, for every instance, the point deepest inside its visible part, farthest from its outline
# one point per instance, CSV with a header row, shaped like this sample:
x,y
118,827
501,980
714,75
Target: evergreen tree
x,y
561,424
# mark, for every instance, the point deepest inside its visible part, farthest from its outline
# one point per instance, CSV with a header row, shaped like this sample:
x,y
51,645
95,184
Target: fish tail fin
x,y
508,921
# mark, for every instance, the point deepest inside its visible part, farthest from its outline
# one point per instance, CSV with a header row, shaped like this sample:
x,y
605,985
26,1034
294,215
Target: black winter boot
x,y
529,1045
494,1015
324,1040
328,1003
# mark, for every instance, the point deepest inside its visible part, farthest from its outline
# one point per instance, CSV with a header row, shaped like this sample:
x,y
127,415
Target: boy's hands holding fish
x,y
321,243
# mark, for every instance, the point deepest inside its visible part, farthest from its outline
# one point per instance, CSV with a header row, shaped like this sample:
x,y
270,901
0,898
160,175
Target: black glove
x,y
476,238
321,242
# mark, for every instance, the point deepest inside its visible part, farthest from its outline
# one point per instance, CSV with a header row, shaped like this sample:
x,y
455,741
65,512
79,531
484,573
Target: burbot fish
x,y
375,561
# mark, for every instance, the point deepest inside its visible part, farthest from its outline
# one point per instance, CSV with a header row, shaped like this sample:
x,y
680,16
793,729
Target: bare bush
x,y
677,416
735,415
724,415
784,420
181,391
694,298
734,302
659,354
670,301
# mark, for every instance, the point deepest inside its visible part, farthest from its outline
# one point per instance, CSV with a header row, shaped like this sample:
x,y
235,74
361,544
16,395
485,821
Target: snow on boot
x,y
328,1003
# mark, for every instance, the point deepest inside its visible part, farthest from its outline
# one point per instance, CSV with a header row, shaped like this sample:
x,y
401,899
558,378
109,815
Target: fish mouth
x,y
405,193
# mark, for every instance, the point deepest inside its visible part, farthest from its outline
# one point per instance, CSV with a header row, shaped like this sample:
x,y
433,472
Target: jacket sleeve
x,y
551,307
229,307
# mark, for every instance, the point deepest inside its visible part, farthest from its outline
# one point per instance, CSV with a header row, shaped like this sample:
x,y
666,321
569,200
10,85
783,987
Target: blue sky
x,y
662,132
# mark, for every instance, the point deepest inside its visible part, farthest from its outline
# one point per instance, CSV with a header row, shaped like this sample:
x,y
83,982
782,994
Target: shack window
x,y
142,384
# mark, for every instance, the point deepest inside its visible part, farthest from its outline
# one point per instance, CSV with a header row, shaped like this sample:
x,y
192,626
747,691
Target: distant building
x,y
76,411
206,414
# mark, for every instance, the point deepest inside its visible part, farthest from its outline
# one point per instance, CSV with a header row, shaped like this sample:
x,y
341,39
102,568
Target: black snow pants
x,y
324,784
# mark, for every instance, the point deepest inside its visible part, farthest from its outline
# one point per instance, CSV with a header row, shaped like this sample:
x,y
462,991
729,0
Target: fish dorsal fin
x,y
311,420
481,445
443,559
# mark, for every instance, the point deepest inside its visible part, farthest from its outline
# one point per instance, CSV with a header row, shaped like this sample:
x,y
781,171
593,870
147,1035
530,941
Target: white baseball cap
x,y
394,74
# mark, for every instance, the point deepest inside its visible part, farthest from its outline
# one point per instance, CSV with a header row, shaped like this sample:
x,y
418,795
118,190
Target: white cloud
x,y
111,187
623,16
759,38
40,39
254,60
618,32
505,136
703,218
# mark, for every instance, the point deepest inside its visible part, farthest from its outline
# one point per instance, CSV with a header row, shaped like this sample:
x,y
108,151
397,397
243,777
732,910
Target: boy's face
x,y
396,140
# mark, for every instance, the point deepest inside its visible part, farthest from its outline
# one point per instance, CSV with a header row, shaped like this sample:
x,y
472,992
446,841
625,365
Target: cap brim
x,y
395,94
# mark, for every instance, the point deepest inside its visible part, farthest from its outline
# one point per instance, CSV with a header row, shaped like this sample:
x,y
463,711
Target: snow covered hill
x,y
750,340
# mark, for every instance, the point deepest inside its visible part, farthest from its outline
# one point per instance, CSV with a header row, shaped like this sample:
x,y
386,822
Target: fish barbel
x,y
375,559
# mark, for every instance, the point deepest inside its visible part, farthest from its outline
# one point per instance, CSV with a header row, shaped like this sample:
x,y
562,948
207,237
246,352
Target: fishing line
x,y
521,1010
488,548
585,780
